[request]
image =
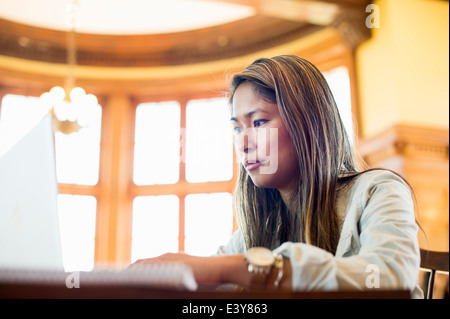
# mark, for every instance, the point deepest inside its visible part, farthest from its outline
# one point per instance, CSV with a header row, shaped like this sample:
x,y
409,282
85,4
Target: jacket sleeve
x,y
378,247
235,246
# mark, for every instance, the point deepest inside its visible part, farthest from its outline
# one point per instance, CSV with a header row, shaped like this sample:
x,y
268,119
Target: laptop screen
x,y
29,227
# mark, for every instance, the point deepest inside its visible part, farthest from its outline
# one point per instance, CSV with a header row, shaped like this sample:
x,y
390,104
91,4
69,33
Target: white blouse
x,y
378,247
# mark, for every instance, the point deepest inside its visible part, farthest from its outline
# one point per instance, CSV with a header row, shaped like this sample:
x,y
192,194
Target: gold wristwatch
x,y
260,262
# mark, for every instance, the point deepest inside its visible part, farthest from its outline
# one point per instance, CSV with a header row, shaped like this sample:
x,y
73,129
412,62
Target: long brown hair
x,y
325,157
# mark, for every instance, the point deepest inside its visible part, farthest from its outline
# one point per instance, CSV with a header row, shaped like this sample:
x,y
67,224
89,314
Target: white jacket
x,y
378,246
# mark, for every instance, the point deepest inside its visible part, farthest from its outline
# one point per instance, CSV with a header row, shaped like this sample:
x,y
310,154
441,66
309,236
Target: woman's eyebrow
x,y
249,114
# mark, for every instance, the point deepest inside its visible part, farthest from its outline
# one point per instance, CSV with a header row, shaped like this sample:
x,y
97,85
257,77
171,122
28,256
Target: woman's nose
x,y
245,141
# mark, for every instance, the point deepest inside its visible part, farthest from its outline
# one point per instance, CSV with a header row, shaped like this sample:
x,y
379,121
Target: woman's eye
x,y
258,123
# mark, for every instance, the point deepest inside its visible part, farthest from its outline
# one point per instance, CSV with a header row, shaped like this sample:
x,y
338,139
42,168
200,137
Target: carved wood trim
x,y
268,28
421,155
407,141
225,41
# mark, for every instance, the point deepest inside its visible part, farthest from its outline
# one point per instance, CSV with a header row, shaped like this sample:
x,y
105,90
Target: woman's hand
x,y
213,270
216,270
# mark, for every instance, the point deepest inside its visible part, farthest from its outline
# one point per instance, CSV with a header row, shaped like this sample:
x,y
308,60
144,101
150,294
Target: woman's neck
x,y
286,195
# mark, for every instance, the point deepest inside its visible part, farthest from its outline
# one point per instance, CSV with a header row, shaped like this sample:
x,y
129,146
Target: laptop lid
x,y
29,227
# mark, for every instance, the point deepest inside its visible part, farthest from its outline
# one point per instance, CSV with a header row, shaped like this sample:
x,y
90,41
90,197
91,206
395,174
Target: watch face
x,y
260,256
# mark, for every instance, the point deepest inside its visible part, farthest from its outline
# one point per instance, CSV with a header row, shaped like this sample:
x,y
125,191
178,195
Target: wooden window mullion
x,y
182,179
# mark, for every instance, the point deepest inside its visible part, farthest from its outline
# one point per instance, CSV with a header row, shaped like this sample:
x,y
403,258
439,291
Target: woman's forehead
x,y
247,101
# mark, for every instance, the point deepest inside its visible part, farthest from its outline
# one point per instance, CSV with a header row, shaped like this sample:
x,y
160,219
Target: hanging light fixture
x,y
69,105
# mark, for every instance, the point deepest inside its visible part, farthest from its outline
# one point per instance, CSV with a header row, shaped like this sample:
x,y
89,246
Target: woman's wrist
x,y
234,269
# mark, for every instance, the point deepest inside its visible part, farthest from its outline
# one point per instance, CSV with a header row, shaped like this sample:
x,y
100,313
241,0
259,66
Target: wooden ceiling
x,y
275,23
224,41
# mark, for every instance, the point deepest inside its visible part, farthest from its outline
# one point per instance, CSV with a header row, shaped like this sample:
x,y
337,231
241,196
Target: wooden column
x,y
182,196
114,214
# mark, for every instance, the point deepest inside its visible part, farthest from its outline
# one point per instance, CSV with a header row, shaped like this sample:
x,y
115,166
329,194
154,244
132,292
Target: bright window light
x,y
339,82
209,145
77,215
78,154
155,226
19,114
209,222
157,143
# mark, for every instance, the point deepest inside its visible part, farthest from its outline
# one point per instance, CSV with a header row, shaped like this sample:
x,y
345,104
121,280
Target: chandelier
x,y
69,106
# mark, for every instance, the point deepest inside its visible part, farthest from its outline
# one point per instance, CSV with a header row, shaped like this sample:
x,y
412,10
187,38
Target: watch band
x,y
259,276
260,263
279,264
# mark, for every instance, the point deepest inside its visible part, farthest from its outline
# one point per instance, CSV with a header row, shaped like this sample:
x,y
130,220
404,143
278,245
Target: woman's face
x,y
262,141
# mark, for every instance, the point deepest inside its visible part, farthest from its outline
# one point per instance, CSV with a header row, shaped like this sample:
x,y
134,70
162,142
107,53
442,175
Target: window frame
x,y
182,188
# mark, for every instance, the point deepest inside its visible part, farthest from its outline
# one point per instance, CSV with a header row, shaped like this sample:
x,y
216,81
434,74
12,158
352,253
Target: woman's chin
x,y
262,182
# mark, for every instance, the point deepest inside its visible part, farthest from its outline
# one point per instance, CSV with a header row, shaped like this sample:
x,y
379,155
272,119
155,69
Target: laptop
x,y
29,226
30,244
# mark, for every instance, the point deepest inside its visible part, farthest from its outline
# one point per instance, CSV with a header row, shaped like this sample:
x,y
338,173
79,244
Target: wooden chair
x,y
433,261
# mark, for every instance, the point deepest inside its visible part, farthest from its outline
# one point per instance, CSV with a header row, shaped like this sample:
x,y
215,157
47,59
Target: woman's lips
x,y
252,166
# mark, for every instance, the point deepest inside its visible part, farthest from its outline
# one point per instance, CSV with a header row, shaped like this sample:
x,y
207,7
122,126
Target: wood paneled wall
x,y
421,155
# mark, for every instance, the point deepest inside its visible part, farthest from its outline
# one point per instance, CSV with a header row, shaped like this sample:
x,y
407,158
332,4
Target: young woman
x,y
309,218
